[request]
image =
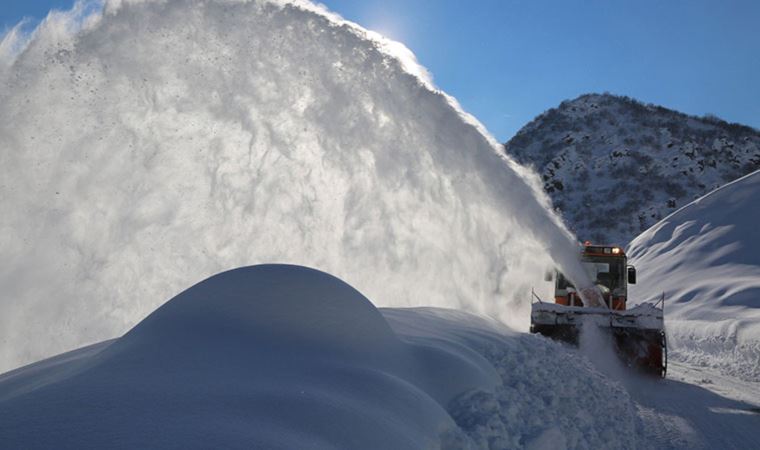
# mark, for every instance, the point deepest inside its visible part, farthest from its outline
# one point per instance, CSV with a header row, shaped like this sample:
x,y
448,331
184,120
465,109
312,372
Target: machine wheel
x,y
664,355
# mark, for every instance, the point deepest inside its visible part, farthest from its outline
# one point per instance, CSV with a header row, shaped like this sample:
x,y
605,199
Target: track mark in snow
x,y
719,383
668,430
735,411
684,414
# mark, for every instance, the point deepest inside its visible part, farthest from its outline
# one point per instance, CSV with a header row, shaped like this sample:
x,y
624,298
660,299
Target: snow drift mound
x,y
159,142
706,258
269,303
268,356
280,356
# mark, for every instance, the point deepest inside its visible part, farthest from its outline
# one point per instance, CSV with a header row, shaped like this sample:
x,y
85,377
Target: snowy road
x,y
698,408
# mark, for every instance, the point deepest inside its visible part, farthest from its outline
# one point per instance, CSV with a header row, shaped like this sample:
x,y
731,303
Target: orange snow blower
x,y
638,334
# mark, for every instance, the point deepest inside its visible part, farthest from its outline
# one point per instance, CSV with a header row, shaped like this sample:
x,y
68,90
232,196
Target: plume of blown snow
x,y
145,145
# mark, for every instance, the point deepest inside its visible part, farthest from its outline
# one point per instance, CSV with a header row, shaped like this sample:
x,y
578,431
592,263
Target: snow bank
x,y
279,356
549,397
705,257
149,144
259,357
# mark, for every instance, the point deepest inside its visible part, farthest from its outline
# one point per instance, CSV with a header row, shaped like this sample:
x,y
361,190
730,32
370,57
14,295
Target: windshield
x,y
603,271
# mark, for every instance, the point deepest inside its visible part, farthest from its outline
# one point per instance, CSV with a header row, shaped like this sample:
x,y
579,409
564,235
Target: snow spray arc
x,y
149,144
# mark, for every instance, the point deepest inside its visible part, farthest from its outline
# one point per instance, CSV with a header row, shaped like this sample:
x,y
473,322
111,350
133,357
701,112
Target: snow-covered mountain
x,y
705,257
614,166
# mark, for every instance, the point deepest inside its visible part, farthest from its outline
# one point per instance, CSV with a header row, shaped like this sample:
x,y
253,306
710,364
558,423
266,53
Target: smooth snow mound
x,y
150,144
279,356
272,304
706,258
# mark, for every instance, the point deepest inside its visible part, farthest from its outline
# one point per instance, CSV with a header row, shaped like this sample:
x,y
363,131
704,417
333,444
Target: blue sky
x,y
507,61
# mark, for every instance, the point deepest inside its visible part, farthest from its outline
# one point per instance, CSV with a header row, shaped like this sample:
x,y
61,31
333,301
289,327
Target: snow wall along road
x,y
146,145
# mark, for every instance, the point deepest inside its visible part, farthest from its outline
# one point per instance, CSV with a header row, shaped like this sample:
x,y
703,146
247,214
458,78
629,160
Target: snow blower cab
x,y
638,333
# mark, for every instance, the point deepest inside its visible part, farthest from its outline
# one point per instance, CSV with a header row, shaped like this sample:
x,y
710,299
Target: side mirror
x,y
631,275
549,275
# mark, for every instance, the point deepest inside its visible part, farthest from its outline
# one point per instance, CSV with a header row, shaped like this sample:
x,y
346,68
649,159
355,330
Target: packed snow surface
x,y
148,144
705,258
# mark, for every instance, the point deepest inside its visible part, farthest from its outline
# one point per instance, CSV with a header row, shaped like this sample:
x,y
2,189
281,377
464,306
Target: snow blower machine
x,y
638,334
